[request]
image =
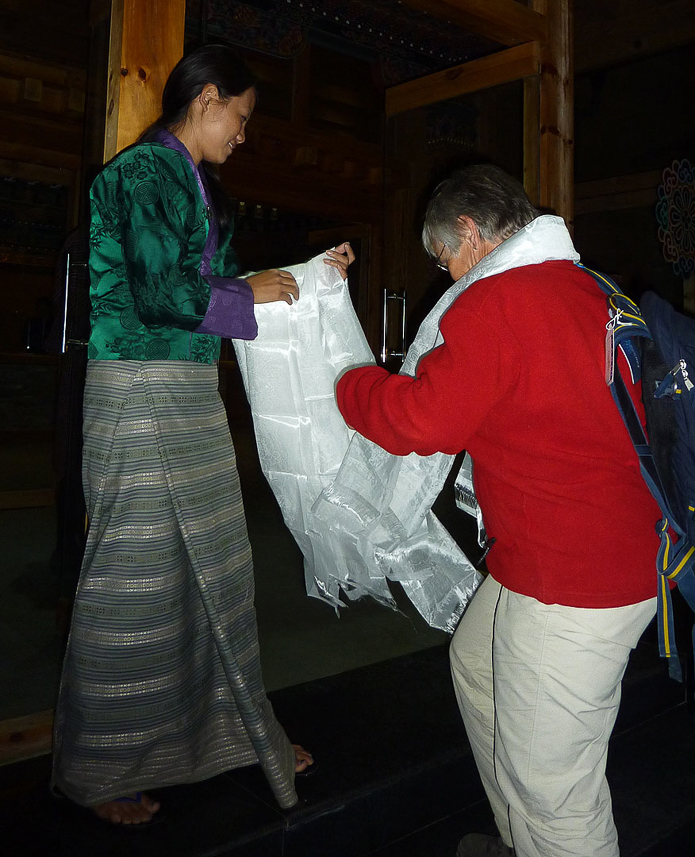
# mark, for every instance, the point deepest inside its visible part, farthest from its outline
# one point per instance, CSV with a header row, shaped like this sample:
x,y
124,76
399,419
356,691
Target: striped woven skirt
x,y
161,682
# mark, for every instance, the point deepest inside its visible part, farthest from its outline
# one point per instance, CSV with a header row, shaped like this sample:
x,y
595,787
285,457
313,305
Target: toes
x,y
150,805
303,758
110,812
127,812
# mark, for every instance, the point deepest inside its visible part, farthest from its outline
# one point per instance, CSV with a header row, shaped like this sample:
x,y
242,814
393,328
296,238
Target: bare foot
x,y
130,810
303,757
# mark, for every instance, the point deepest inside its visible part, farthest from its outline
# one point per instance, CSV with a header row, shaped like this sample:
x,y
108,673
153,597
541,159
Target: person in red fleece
x,y
518,380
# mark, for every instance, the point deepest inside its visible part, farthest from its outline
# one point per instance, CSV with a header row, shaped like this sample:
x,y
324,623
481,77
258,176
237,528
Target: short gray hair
x,y
496,202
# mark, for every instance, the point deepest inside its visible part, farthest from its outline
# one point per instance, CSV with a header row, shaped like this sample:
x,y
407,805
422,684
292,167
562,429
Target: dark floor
x,y
396,778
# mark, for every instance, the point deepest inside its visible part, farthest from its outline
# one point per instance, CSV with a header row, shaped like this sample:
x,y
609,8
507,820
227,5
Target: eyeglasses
x,y
438,261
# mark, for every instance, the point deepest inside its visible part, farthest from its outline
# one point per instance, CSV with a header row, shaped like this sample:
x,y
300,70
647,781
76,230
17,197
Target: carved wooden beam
x,y
493,70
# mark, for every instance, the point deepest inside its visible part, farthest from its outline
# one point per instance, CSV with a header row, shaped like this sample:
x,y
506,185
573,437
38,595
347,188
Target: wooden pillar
x,y
532,138
556,106
146,43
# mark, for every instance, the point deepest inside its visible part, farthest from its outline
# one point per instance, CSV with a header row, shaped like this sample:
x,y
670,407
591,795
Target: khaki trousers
x,y
539,686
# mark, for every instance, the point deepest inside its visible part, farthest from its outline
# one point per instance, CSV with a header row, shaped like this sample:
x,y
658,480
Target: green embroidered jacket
x,y
148,230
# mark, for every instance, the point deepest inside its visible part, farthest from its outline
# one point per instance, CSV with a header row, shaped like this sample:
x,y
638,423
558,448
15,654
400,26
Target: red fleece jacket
x,y
519,383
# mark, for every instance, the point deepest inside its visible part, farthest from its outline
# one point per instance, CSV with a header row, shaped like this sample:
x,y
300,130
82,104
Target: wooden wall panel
x,y
41,111
615,32
51,30
619,193
291,167
41,133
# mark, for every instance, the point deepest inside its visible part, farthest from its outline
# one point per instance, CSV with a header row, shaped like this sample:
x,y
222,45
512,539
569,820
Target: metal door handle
x,y
397,350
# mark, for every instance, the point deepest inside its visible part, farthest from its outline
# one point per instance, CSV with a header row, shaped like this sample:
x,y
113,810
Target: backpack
x,y
659,345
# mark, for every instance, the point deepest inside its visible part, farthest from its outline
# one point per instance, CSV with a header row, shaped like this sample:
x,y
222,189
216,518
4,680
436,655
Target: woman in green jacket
x,y
161,681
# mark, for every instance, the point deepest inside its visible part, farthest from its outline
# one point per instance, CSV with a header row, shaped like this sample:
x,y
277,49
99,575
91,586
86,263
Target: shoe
x,y
480,845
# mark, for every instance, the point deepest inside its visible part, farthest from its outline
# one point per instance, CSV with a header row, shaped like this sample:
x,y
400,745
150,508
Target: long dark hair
x,y
216,64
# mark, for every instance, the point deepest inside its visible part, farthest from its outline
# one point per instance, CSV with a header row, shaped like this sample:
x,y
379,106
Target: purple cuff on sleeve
x,y
230,311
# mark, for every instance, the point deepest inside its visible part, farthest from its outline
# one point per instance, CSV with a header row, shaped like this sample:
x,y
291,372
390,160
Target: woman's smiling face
x,y
223,126
214,126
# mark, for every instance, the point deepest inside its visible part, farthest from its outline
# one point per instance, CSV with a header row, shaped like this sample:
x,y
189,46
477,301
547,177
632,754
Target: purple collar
x,y
166,138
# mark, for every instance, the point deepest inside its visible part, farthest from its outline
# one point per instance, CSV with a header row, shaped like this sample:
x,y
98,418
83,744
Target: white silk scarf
x,y
359,514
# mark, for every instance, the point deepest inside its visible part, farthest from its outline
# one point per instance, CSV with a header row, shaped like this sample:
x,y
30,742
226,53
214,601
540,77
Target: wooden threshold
x,y
26,737
30,499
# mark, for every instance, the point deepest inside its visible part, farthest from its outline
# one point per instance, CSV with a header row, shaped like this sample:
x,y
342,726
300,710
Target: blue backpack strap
x,y
639,440
630,325
675,560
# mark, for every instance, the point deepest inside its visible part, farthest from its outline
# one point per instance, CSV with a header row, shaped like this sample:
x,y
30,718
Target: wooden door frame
x,y
540,37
